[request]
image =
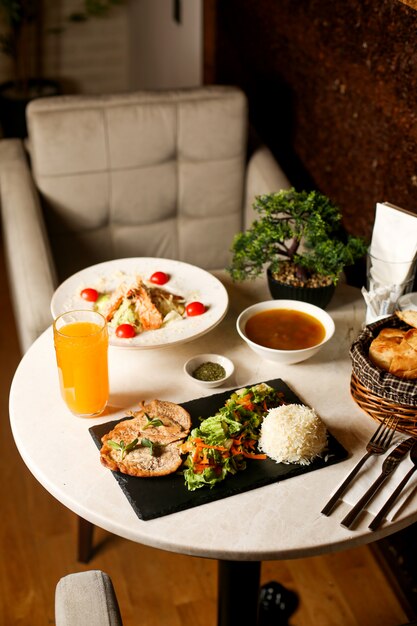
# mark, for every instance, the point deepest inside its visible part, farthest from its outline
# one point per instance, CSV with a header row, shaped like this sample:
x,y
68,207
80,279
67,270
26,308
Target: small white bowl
x,y
286,357
191,365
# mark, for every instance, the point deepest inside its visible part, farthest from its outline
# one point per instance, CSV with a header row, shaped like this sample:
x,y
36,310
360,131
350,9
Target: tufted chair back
x,y
141,174
162,174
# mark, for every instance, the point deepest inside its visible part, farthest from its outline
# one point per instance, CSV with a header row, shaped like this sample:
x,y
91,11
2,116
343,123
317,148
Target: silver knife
x,y
388,466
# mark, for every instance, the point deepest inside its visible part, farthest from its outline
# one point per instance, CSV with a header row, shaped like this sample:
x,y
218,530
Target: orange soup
x,y
284,329
81,352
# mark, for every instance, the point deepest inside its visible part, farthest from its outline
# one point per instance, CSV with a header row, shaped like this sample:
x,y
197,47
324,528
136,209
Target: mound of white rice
x,y
292,433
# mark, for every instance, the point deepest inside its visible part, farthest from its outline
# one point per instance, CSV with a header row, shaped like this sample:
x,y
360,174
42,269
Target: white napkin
x,y
394,234
393,250
369,472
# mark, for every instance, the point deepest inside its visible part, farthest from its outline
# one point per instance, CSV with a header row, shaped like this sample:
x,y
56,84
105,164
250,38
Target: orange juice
x,y
81,352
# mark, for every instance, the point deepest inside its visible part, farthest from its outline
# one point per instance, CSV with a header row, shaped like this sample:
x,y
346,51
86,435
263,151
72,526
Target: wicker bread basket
x,y
376,391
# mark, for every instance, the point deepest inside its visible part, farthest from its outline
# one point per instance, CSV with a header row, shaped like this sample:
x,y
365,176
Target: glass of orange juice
x,y
81,346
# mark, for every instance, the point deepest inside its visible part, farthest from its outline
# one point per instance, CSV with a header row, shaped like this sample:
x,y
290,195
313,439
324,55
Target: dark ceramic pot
x,y
13,104
320,296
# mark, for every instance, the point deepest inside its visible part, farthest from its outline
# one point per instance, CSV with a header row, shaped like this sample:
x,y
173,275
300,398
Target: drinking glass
x,y
81,346
387,280
399,275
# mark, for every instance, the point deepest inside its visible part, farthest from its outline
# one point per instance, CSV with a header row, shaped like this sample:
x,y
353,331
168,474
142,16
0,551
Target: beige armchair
x,y
161,174
141,174
86,599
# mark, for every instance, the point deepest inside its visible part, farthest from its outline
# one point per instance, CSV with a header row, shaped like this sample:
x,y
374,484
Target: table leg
x,y
85,539
238,592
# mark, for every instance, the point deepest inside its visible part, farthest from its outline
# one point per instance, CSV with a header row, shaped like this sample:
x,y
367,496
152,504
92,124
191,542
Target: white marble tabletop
x,y
279,521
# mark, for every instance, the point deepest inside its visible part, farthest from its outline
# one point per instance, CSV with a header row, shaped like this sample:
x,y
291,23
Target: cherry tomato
x,y
159,278
125,331
89,294
195,308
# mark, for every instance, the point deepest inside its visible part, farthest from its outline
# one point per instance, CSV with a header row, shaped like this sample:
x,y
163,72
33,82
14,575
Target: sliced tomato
x,y
195,308
159,278
89,294
125,331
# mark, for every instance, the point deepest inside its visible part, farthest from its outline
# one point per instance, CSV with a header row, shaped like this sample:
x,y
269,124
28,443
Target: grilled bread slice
x,y
143,461
176,421
158,428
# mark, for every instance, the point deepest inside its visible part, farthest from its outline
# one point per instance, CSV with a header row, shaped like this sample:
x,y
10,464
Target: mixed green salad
x,y
223,442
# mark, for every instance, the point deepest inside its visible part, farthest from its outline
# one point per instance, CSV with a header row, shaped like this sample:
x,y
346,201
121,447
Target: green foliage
x,y
152,422
155,447
122,446
93,8
15,14
300,227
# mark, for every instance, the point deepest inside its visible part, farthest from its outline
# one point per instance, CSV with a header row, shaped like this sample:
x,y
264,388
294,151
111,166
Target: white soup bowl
x,y
286,357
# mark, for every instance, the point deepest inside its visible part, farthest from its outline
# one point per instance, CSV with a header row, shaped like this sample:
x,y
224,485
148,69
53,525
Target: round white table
x,y
279,521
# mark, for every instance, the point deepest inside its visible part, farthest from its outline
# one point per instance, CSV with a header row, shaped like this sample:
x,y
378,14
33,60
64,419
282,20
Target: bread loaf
x,y
409,317
383,349
395,350
404,362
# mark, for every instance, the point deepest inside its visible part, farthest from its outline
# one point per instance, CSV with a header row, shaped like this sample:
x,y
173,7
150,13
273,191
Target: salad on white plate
x,y
148,302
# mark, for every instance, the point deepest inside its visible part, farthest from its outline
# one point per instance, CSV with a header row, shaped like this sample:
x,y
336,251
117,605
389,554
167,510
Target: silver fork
x,y
389,465
380,516
378,444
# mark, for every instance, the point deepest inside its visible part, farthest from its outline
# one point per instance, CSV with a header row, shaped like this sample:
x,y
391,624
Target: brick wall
x,y
332,90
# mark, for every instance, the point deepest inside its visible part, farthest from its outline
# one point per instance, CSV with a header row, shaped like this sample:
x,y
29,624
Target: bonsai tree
x,y
300,236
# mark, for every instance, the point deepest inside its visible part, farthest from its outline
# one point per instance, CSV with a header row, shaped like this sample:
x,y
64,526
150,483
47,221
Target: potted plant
x,y
22,40
299,237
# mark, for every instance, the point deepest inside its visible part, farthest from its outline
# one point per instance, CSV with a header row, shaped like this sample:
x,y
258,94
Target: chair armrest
x,y
30,268
263,175
86,598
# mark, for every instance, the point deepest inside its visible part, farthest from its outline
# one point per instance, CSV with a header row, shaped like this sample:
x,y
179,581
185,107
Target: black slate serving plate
x,y
156,497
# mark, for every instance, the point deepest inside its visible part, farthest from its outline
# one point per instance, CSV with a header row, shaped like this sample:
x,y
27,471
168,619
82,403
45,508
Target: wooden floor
x,y
155,588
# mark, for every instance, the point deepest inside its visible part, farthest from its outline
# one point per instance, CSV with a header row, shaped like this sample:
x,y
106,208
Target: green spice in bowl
x,y
209,370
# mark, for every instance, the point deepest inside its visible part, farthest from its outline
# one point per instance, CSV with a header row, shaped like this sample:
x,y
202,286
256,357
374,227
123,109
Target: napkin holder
x,y
391,260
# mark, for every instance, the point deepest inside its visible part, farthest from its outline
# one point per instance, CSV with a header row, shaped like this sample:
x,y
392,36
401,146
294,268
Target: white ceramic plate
x,y
186,280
